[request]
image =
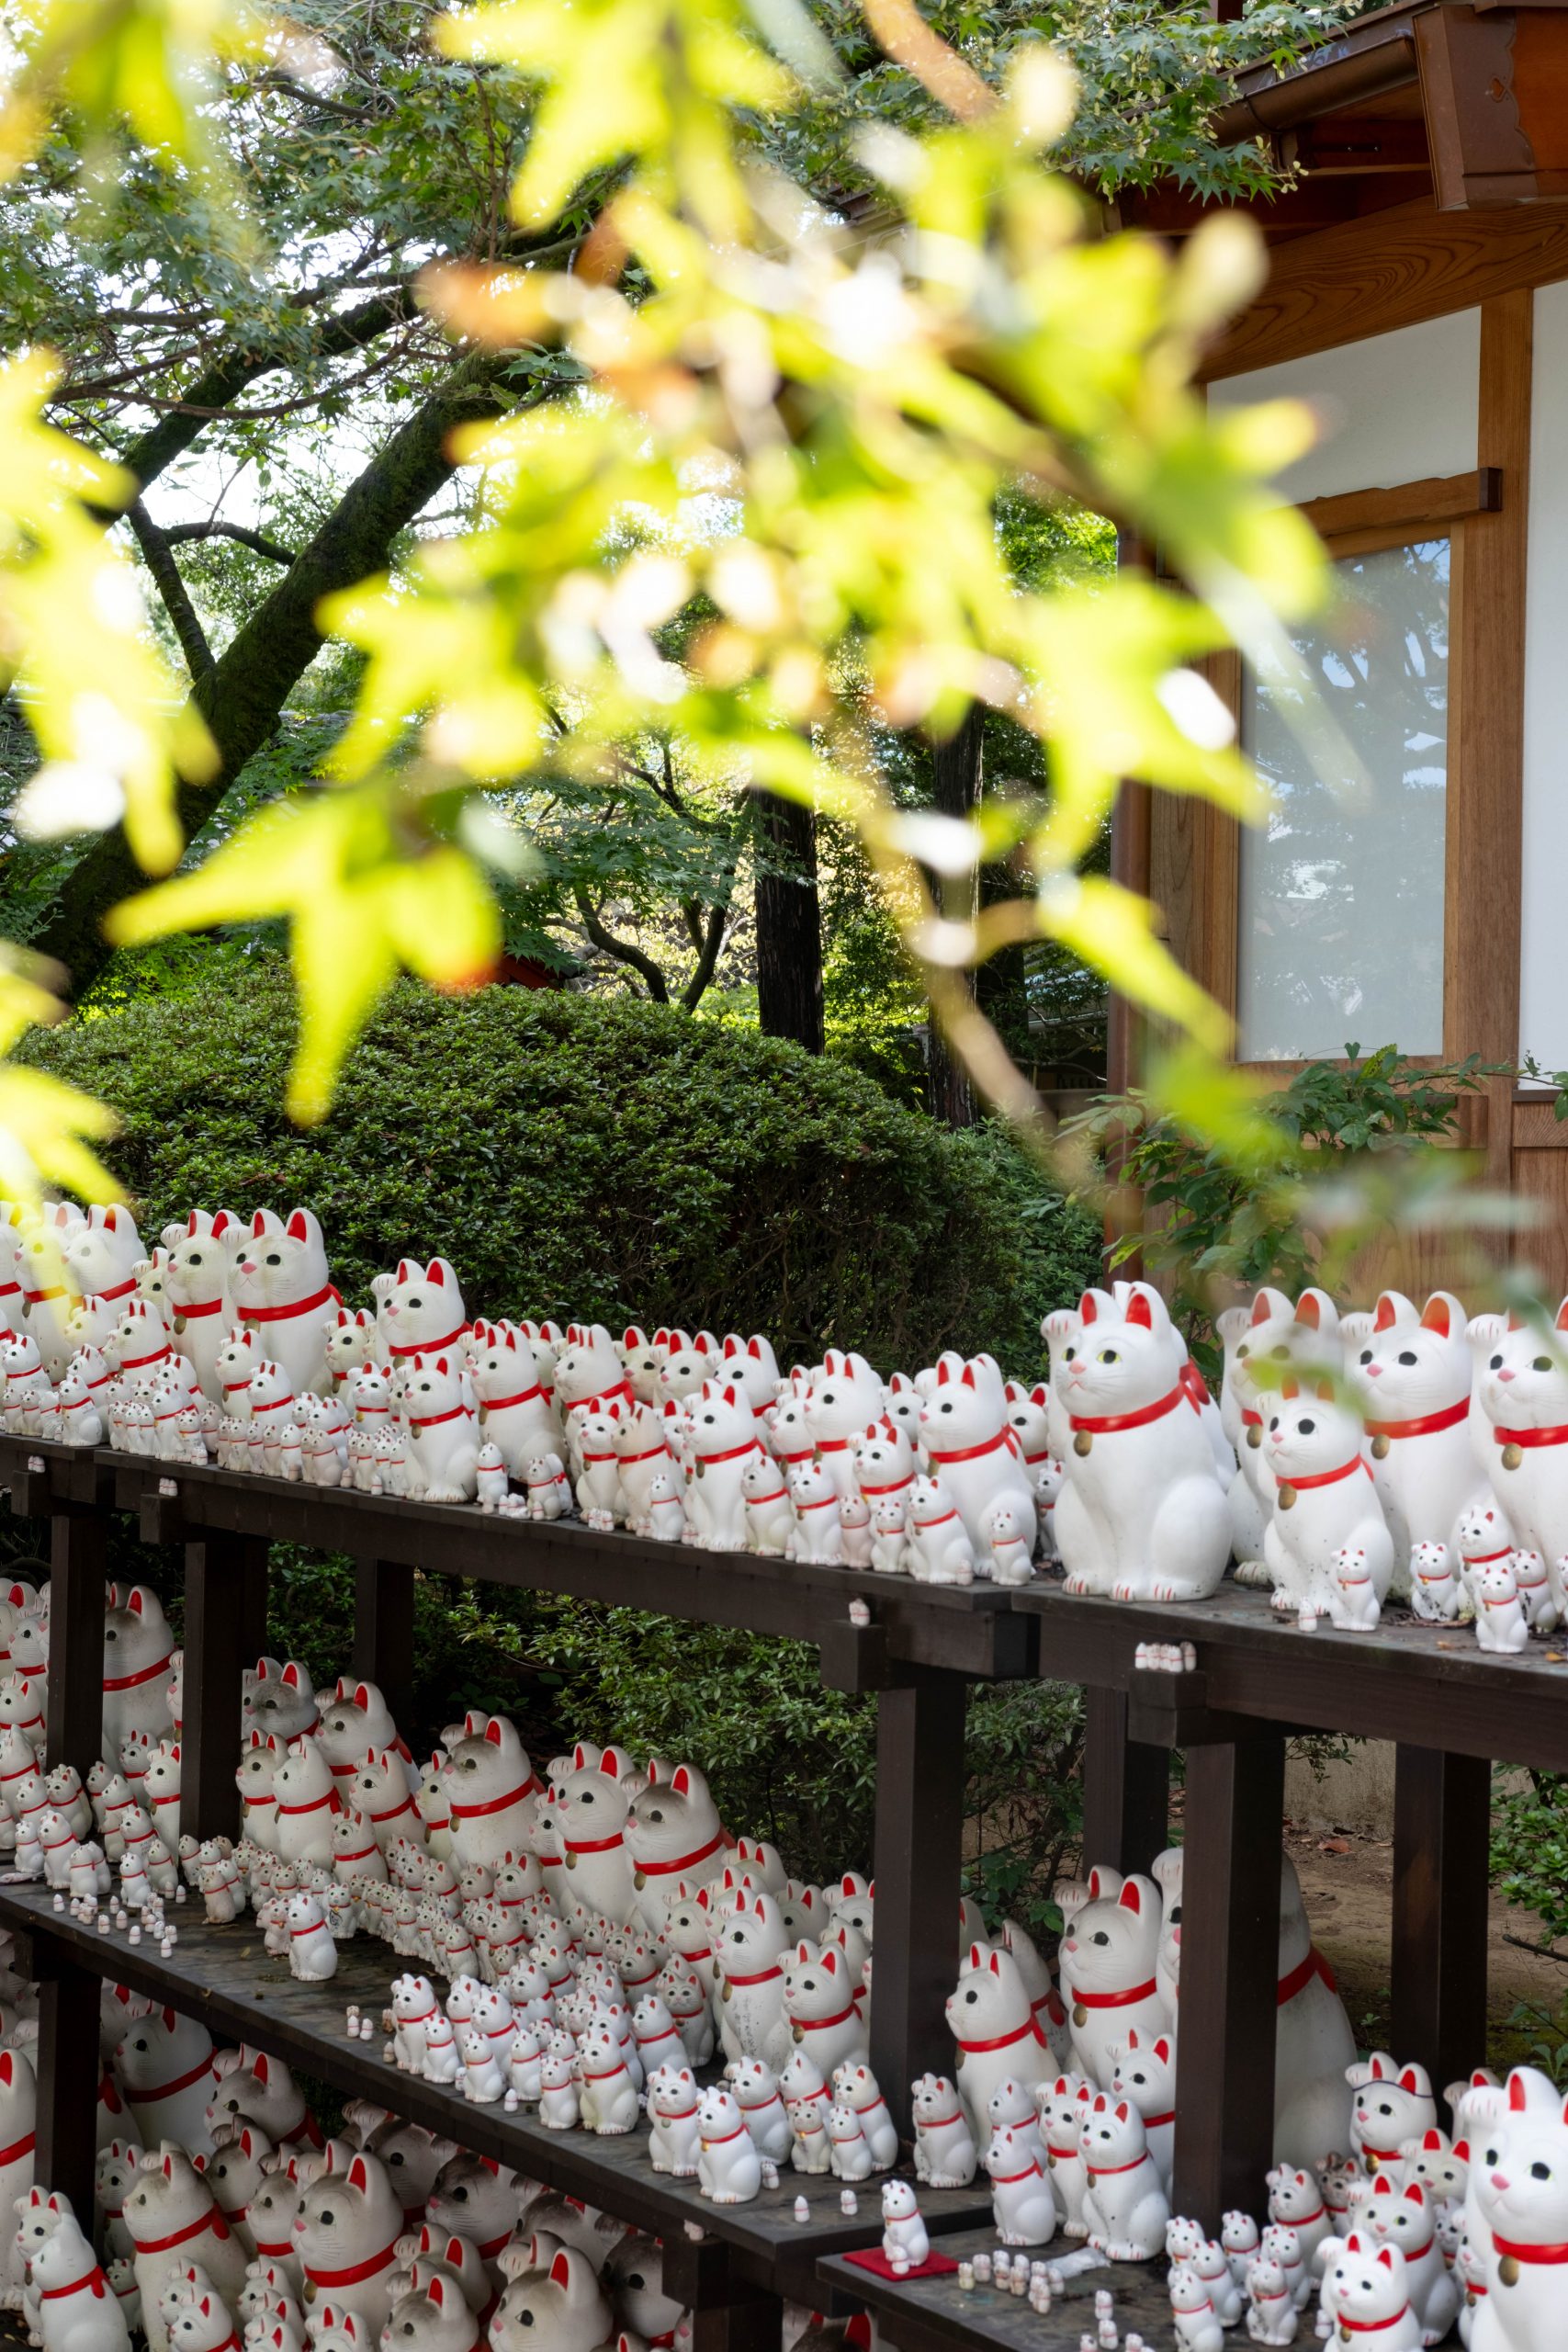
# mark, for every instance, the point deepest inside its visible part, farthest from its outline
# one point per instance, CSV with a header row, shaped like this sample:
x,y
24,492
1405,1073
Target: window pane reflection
x,y
1341,929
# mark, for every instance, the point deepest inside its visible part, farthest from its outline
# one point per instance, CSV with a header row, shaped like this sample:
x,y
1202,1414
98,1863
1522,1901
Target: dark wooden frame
x,y
1256,1678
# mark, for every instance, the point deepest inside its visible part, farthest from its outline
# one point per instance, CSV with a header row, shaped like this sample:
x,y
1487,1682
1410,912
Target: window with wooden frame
x,y
1341,919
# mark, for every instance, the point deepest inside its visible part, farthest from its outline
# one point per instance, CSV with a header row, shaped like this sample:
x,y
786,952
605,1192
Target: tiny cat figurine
x,y
817,1504
1143,2073
674,2135
1271,2315
1124,2204
770,1514
903,2227
1403,2217
1142,1515
1324,1502
728,2168
1023,2203
1500,1621
1366,2300
1192,2312
937,1550
943,2143
443,1444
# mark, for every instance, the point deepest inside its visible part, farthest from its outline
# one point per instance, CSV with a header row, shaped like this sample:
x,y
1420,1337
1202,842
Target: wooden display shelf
x,y
224,1977
1406,1681
935,2314
963,1629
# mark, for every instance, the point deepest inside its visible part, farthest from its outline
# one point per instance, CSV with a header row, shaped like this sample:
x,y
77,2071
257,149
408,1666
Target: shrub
x,y
609,1161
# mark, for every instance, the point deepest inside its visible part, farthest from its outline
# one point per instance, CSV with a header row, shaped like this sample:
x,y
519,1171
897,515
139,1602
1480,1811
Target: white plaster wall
x,y
1543,943
1396,408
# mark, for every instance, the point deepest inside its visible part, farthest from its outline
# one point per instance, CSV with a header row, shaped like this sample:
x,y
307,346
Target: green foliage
x,y
606,1160
1270,1206
1529,1848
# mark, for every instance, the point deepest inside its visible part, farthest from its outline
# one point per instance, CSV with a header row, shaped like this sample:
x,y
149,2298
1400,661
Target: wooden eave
x,y
1461,106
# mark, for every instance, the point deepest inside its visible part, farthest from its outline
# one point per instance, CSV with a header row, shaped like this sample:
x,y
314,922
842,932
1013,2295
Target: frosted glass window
x,y
1341,920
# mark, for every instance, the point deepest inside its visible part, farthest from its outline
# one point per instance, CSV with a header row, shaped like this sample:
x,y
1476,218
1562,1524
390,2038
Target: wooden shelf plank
x,y
935,2314
223,1976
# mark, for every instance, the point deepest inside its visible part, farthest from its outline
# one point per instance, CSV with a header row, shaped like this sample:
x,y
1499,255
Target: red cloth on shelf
x,y
872,2258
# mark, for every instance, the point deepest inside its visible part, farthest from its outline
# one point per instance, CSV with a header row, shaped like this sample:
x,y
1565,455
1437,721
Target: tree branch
x,y
154,546
624,951
696,987
242,693
174,533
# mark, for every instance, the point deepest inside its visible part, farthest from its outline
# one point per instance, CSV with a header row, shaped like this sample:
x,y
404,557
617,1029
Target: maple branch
x,y
624,951
172,589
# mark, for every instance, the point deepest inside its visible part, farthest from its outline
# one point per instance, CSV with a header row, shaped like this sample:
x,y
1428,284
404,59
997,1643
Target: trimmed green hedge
x,y
616,1161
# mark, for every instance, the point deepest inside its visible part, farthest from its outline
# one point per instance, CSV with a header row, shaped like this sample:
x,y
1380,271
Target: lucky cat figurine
x,y
1403,2217
164,2067
1143,2073
1392,2104
748,1955
843,1397
1107,1965
725,1439
1269,1337
1412,1377
728,2168
819,2003
282,1291
419,1310
944,2144
1125,2205
1365,2297
1325,1502
1524,1392
196,1277
994,2027
1142,1515
443,1442
973,1451
673,1838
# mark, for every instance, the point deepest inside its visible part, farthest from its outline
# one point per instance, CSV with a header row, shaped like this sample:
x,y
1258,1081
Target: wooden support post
x,y
67,2057
77,1559
753,2321
383,1629
1441,1832
224,1576
1230,1959
1126,1789
916,1861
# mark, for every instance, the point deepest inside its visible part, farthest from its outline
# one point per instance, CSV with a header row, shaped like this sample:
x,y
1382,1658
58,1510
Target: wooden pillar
x,y
919,1856
1126,1789
68,2068
77,1559
225,1576
1442,1815
383,1629
1230,1958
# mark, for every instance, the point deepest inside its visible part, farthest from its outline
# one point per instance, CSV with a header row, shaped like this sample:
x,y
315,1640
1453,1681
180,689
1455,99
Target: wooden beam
x,y
1230,1965
1441,1831
1494,86
1408,505
1486,725
917,1859
1403,264
1126,1789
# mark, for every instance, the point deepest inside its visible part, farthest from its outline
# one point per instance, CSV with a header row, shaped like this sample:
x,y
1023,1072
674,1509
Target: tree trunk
x,y
789,924
243,692
957,768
